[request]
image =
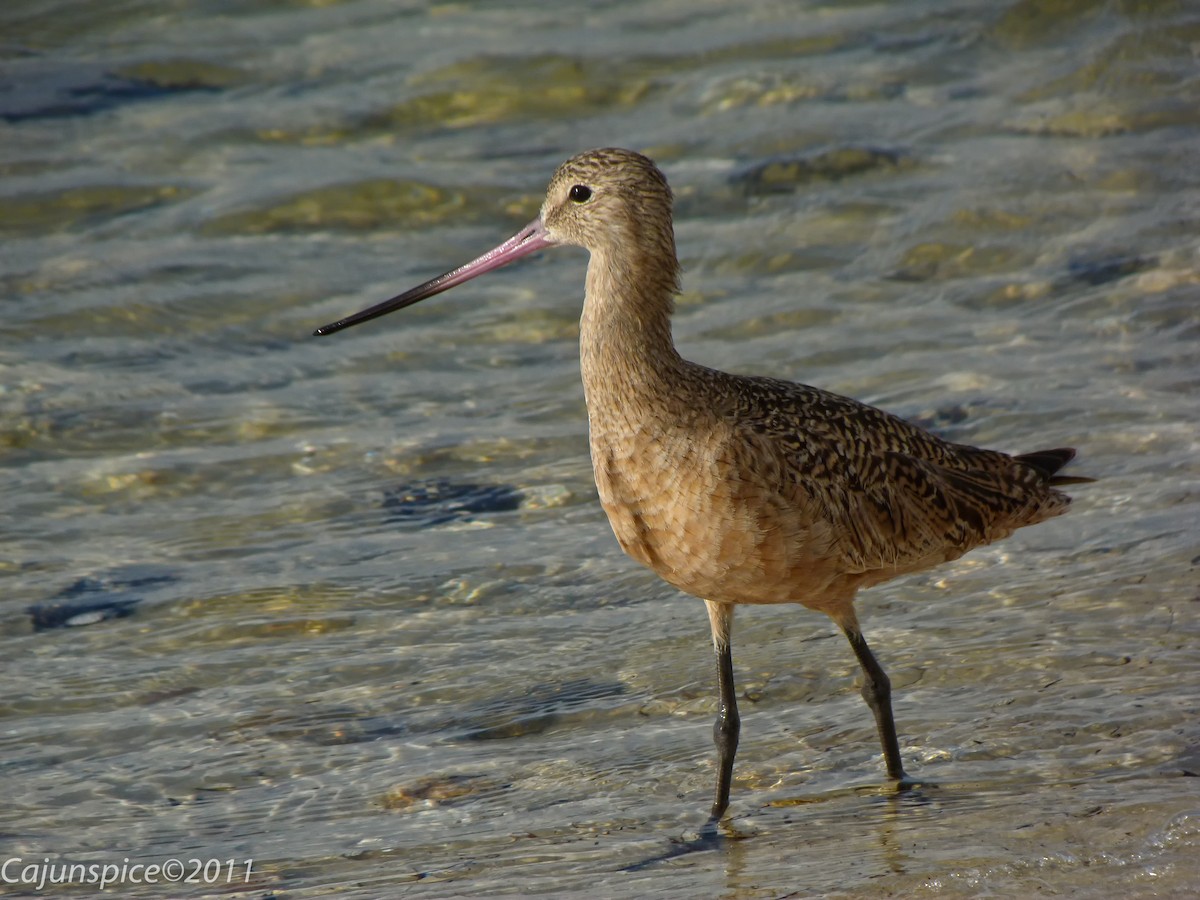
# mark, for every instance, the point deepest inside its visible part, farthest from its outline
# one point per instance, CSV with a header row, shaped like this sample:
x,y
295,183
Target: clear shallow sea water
x,y
374,631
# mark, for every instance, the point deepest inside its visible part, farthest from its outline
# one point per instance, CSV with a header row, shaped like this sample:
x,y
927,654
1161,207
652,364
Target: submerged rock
x,y
790,173
94,599
424,504
52,91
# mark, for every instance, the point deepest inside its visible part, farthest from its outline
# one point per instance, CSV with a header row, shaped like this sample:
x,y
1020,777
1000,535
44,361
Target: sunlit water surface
x,y
355,611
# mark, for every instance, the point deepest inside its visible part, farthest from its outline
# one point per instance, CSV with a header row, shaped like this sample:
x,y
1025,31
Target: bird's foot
x,y
906,782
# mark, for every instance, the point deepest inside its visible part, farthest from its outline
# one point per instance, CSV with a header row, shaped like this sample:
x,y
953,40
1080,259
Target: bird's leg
x,y
728,724
877,691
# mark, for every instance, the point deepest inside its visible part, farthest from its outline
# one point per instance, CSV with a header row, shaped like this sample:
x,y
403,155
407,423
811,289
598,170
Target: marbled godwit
x,y
739,489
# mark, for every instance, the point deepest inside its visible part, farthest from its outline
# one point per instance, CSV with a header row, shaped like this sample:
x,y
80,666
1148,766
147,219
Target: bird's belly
x,y
685,512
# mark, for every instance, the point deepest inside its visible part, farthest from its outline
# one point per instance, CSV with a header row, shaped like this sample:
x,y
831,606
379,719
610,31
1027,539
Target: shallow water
x,y
349,608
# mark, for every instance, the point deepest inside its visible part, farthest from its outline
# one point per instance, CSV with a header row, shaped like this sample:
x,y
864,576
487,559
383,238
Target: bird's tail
x,y
1048,462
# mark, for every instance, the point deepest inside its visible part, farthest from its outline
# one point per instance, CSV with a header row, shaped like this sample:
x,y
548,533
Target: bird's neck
x,y
625,342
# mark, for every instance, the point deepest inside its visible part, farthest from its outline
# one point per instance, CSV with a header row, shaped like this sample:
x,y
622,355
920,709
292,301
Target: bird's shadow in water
x,y
909,793
709,838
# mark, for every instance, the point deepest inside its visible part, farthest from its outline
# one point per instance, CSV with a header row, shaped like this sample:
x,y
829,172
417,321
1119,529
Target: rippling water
x,y
349,607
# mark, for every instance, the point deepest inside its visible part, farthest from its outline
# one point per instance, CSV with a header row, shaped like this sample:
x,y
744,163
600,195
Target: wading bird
x,y
745,489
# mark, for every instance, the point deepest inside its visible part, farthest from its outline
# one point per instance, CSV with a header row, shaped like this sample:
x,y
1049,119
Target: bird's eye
x,y
580,193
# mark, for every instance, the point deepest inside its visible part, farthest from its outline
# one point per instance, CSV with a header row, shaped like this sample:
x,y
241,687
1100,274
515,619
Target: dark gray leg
x,y
728,724
725,730
877,691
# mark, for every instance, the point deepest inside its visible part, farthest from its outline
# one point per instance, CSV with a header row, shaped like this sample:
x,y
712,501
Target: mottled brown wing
x,y
896,497
909,512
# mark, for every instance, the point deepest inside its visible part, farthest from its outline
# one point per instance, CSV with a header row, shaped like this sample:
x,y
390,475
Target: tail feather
x,y
1048,462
